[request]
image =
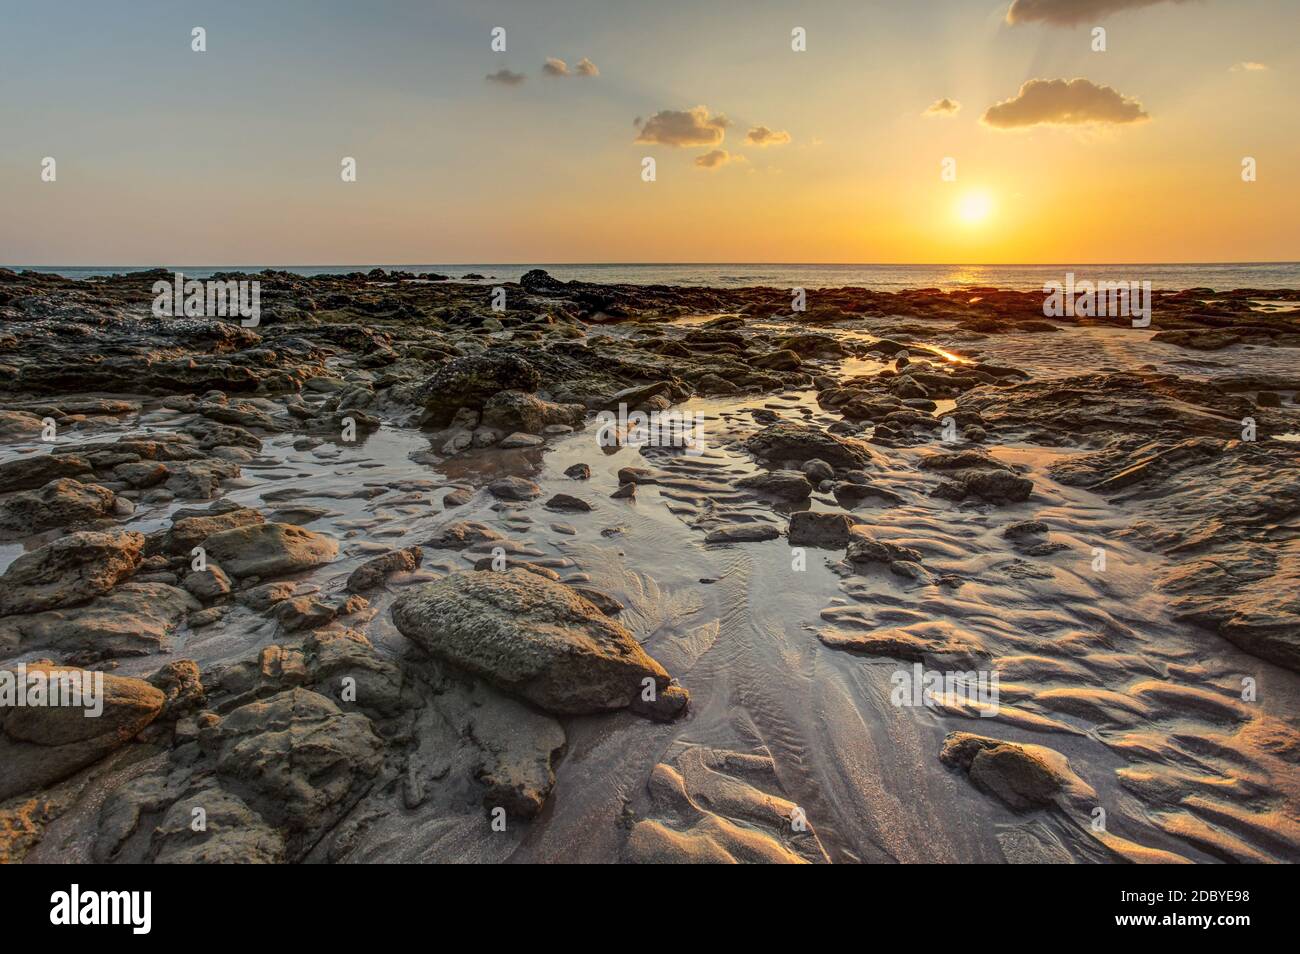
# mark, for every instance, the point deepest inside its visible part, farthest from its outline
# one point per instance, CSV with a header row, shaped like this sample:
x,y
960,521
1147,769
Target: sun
x,y
974,207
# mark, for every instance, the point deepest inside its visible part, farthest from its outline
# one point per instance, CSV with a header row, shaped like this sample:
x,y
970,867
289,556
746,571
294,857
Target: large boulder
x,y
536,638
269,549
70,570
37,470
135,619
189,532
785,442
41,745
469,382
63,502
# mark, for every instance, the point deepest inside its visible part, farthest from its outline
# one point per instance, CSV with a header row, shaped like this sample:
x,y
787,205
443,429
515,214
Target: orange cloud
x,y
716,159
762,136
684,127
1063,102
1072,12
942,107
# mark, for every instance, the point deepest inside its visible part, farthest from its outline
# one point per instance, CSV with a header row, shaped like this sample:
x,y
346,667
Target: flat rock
x,y
41,745
71,570
269,549
62,502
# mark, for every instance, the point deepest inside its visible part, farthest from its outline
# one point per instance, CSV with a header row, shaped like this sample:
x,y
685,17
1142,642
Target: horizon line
x,y
392,265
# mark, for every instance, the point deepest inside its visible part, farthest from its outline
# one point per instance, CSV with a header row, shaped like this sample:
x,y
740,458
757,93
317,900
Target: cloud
x,y
1248,65
942,107
555,67
505,77
586,68
716,159
762,136
684,127
1072,12
1063,102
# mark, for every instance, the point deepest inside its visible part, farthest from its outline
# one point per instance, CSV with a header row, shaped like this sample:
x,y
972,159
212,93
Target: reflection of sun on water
x,y
974,207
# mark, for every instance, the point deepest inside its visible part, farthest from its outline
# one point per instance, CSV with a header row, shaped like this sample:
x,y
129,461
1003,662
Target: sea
x,y
1220,277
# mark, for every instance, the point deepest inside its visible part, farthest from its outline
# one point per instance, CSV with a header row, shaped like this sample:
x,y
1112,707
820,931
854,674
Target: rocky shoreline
x,y
365,583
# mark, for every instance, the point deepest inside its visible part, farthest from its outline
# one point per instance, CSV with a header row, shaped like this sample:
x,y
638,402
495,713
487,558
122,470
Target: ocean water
x,y
1221,277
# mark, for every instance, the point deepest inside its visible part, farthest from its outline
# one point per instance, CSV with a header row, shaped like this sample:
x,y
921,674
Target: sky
x,y
833,153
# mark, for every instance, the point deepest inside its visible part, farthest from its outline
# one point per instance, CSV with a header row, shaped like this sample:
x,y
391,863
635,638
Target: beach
x,y
416,567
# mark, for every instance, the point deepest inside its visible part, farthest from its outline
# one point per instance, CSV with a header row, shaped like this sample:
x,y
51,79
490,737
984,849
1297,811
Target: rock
x,y
303,612
625,492
1023,777
715,384
182,688
37,470
851,494
790,486
269,549
742,533
297,758
785,442
62,502
578,472
457,497
636,475
207,585
517,411
17,425
529,636
71,570
462,534
140,474
818,470
1024,528
262,598
785,360
633,398
994,486
471,381
814,528
864,548
188,532
520,439
41,745
490,563
133,620
371,574
517,777
568,503
601,600
514,488
199,479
